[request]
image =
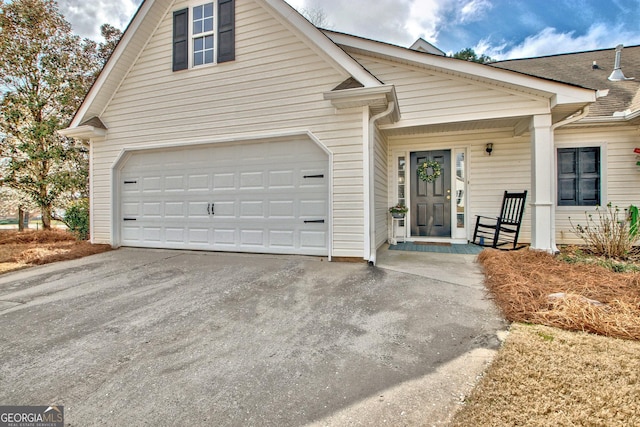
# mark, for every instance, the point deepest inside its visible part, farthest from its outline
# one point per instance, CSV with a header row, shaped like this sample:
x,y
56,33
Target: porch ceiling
x,y
470,126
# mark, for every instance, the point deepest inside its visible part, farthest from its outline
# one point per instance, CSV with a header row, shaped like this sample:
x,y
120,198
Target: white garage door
x,y
269,197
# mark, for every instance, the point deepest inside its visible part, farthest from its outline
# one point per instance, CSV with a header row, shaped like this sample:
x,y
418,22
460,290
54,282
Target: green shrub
x,y
77,218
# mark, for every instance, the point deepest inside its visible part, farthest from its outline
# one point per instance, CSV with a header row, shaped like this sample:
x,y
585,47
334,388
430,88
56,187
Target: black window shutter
x,y
181,40
226,30
567,177
589,178
579,176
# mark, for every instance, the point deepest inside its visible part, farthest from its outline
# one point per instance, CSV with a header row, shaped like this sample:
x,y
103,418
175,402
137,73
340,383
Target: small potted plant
x,y
398,211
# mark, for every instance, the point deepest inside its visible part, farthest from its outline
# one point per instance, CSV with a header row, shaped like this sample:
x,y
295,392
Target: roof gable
x,y
150,15
563,92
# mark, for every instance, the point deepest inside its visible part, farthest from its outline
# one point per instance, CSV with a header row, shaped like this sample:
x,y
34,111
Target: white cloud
x,y
474,10
423,20
550,42
87,17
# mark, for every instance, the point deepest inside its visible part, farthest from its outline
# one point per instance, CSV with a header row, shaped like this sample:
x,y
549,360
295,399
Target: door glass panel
x,y
401,181
460,189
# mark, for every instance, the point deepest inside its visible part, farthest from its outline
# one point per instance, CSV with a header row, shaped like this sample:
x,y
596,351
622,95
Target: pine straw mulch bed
x,y
536,287
562,374
23,249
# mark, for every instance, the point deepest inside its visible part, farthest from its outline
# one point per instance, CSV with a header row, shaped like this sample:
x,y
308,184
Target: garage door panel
x,y
174,183
151,184
152,234
312,208
251,209
198,182
252,198
224,237
282,238
198,210
130,185
251,180
252,238
282,179
224,181
152,209
313,239
174,210
282,209
174,235
199,235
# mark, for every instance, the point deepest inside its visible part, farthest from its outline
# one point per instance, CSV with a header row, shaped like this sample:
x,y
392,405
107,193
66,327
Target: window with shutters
x,y
204,34
579,176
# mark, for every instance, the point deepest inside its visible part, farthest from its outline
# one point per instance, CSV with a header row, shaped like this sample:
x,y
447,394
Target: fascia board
x,y
83,132
564,93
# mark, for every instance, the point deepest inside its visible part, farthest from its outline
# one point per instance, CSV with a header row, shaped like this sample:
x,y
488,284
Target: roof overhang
x,y
84,132
376,98
564,98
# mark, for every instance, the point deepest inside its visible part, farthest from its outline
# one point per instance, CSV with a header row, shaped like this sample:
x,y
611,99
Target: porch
x,y
478,162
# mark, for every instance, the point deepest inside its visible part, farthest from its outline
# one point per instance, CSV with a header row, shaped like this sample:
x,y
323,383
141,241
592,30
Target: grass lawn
x,y
572,357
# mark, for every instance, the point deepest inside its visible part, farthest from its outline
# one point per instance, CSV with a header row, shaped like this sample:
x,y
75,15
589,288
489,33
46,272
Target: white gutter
x,y
370,148
571,119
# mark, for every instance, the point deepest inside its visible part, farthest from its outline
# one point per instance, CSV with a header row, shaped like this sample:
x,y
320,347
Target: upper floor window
x,y
204,34
579,176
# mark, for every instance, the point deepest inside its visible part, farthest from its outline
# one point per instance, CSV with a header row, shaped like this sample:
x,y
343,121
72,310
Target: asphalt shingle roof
x,y
577,69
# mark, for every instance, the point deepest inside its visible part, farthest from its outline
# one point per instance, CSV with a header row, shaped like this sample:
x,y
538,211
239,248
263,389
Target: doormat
x,y
433,243
467,249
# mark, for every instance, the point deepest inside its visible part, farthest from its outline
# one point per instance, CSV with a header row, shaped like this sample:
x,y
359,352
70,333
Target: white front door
x,y
268,197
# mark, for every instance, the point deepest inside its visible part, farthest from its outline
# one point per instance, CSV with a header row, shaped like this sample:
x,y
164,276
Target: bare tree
x,y
316,16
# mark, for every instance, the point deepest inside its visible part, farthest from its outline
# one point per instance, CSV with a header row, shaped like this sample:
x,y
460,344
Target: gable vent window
x,y
204,34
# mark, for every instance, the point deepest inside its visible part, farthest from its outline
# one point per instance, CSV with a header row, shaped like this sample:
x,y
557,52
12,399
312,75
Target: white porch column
x,y
542,184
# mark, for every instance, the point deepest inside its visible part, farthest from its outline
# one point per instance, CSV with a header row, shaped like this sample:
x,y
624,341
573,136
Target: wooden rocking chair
x,y
503,230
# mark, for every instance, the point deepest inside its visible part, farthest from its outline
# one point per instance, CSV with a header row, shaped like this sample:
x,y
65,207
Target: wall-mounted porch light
x,y
489,148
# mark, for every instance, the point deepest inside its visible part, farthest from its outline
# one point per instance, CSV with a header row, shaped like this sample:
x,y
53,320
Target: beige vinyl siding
x,y
381,169
274,85
508,168
427,97
621,185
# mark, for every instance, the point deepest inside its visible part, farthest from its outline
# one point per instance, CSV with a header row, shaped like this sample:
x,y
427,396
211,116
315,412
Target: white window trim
x,y
193,36
603,175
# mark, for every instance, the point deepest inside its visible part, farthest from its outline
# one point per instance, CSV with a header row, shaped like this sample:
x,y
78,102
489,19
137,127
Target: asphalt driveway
x,y
156,337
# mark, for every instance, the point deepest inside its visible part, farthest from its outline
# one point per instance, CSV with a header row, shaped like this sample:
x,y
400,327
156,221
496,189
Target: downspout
x,y
583,114
372,180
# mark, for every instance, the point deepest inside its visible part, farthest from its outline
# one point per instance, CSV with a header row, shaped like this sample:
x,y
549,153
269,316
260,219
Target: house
x,y
239,126
596,163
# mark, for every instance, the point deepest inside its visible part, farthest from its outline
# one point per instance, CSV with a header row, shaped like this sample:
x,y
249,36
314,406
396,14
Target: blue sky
x,y
499,28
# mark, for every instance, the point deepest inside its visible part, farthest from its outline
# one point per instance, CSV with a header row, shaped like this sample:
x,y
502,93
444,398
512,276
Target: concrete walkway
x,y
158,337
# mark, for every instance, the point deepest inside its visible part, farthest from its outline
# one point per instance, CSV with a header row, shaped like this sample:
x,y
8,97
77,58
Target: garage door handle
x,y
314,176
314,221
128,219
208,208
212,211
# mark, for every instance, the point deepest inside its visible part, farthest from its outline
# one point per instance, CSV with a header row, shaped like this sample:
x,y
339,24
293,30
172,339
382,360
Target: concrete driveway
x,y
157,337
